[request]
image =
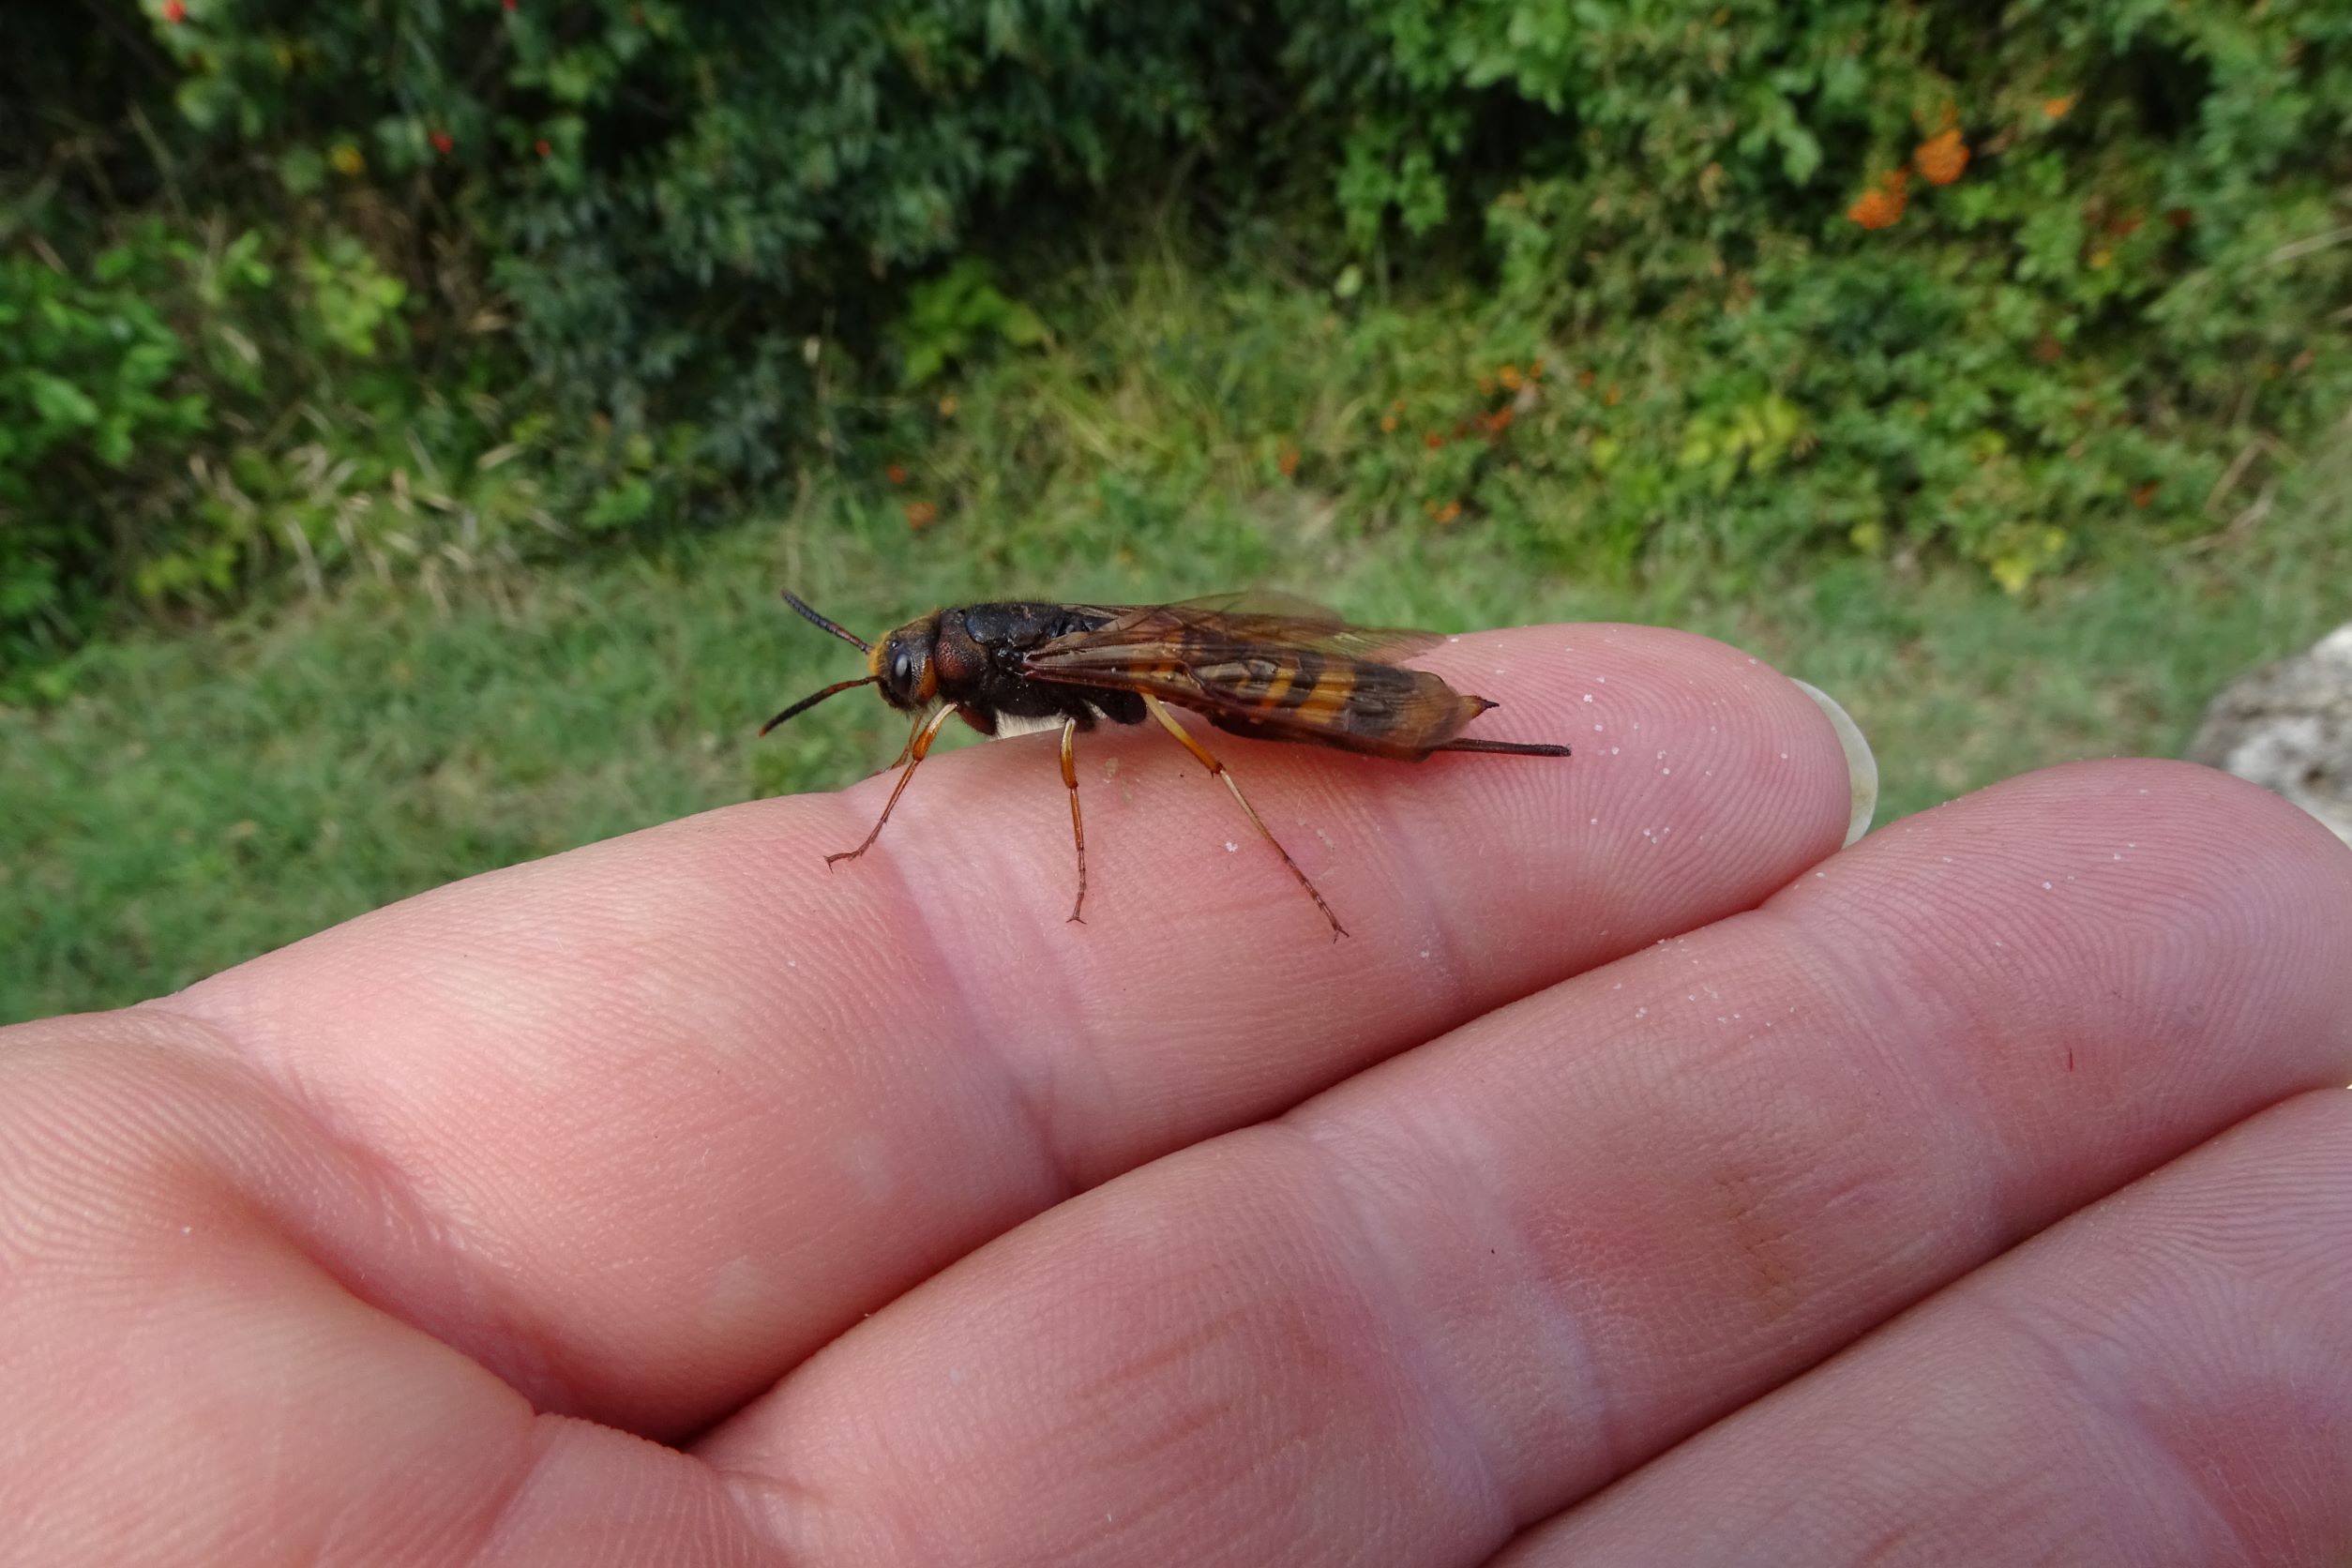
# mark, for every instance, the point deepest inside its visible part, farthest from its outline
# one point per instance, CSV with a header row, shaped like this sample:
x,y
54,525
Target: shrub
x,y
2007,278
1993,277
91,400
1836,275
182,411
678,200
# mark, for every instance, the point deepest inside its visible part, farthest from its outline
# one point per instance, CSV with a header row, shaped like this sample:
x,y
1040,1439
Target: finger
x,y
684,1105
2164,1379
1470,1287
184,1382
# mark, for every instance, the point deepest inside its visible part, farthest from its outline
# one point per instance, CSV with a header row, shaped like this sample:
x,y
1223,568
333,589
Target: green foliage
x,y
1402,419
351,297
2079,330
2076,332
676,198
394,288
950,316
96,406
180,413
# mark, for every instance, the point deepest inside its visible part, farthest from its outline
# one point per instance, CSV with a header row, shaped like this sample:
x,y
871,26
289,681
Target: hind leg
x,y
1217,769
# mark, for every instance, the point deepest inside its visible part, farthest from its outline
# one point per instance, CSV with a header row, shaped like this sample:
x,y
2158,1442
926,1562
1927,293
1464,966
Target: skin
x,y
1645,1180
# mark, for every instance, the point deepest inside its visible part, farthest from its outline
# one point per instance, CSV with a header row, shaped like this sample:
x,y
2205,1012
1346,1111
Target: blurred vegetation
x,y
1983,363
416,287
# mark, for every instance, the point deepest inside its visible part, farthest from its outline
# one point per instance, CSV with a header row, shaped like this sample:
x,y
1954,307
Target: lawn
x,y
208,792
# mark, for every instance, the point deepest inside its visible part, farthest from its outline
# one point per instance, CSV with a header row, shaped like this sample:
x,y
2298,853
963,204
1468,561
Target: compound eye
x,y
903,670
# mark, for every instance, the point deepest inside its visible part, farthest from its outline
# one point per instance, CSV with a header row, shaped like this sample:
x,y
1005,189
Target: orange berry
x,y
1388,421
175,11
1448,512
1289,462
1433,441
921,514
1872,210
1509,376
2057,108
1880,206
2143,495
898,474
1940,159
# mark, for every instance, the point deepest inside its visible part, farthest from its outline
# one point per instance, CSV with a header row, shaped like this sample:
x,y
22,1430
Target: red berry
x,y
175,11
543,148
442,141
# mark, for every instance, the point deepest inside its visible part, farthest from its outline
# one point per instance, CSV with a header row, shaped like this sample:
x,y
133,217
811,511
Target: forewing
x,y
1282,686
1256,617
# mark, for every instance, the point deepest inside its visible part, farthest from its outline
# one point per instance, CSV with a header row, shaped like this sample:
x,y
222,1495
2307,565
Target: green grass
x,y
204,795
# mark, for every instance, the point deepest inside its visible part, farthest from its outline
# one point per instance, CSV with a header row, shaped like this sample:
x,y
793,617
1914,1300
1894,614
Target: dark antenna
x,y
840,631
808,703
845,635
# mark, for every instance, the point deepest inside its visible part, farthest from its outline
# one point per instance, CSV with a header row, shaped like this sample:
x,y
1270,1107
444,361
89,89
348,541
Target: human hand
x,y
1644,1182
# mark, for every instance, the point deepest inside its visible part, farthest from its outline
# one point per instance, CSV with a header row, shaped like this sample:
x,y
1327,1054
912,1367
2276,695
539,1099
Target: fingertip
x,y
2269,818
2134,884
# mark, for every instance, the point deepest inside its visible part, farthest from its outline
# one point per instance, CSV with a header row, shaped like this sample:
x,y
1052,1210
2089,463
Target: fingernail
x,y
1861,768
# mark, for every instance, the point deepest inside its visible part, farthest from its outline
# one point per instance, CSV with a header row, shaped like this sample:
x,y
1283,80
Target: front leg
x,y
917,750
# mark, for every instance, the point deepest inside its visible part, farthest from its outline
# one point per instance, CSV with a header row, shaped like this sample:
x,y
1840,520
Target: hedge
x,y
2000,281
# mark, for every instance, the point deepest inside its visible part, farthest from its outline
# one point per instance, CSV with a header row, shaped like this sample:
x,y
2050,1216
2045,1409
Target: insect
x,y
1268,667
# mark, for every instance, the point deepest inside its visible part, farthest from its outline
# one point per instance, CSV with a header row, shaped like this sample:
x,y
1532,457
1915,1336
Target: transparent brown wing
x,y
1259,616
1262,675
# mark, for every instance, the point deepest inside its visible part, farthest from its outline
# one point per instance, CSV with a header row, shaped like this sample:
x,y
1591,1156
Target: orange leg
x,y
912,730
1159,711
917,749
1077,827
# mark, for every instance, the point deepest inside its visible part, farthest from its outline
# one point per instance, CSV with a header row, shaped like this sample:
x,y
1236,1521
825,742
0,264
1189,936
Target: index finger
x,y
678,1107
